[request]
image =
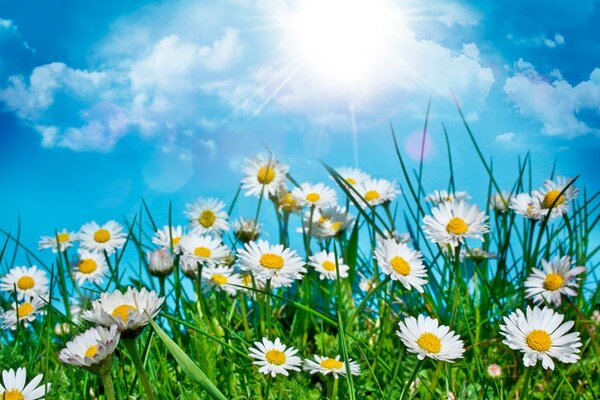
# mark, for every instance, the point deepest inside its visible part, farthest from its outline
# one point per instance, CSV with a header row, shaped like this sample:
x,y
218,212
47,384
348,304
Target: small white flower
x,y
106,238
402,264
263,174
274,357
551,195
494,371
13,386
25,313
442,196
539,334
328,222
499,202
246,230
377,191
62,240
207,216
91,267
368,284
526,206
352,176
168,237
452,223
317,195
477,254
557,278
425,337
160,262
222,279
324,263
286,203
29,282
203,249
91,348
327,365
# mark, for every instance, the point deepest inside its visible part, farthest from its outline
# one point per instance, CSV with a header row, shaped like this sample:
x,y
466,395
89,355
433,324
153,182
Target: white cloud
x,y
457,14
471,50
506,137
557,104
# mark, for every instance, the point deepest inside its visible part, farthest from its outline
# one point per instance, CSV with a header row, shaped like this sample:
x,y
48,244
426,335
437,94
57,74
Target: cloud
x,y
506,137
559,106
457,14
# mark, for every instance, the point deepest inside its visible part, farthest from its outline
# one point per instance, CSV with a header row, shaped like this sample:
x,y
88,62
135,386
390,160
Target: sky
x,y
105,103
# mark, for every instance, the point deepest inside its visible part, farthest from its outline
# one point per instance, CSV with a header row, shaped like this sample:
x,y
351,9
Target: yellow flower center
x,y
550,197
87,266
275,357
91,351
400,265
313,197
429,342
539,340
246,279
323,219
351,181
372,195
553,281
102,236
176,240
63,237
336,226
207,218
271,261
25,282
328,266
24,310
202,252
265,175
218,279
289,202
123,311
457,226
12,395
331,363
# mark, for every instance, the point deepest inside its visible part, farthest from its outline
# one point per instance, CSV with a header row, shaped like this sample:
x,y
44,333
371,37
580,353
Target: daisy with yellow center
x,y
452,223
221,279
62,240
286,202
376,192
552,199
425,337
274,357
556,278
91,348
275,262
263,174
30,282
524,204
327,365
328,222
352,176
203,249
207,216
102,238
13,386
499,202
168,237
318,195
442,196
541,336
25,313
325,264
401,263
91,267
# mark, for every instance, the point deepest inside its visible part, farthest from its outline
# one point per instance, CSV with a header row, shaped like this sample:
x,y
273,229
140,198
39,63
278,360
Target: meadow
x,y
385,291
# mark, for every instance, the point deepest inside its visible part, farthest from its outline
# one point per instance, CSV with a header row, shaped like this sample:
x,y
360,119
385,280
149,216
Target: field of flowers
x,y
385,291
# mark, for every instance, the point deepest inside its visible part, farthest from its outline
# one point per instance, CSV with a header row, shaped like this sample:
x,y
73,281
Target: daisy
x,y
442,196
398,237
452,223
126,310
13,386
204,249
401,263
324,263
499,202
525,205
263,174
317,195
207,216
539,334
106,238
286,202
274,262
25,313
377,191
91,267
246,230
91,348
327,365
61,241
425,337
477,254
353,176
274,357
368,284
557,278
29,282
222,278
328,222
494,371
189,267
550,196
160,262
168,237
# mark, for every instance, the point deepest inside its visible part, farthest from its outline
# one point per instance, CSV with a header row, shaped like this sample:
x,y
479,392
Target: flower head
x,y
203,249
24,312
91,348
13,386
222,279
274,357
328,221
324,263
160,262
29,282
556,278
91,267
328,365
317,195
550,197
352,176
168,237
401,263
102,238
207,216
452,223
499,202
525,205
246,230
60,241
425,337
442,196
263,174
377,191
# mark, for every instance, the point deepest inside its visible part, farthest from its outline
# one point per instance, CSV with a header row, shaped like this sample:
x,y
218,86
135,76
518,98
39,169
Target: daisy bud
x,y
62,329
246,230
494,371
160,262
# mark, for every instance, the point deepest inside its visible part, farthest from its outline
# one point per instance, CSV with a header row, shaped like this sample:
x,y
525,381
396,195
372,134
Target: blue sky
x,y
103,103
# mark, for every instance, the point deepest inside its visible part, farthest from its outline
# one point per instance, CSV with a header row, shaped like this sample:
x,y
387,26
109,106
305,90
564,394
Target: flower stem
x,y
108,386
139,365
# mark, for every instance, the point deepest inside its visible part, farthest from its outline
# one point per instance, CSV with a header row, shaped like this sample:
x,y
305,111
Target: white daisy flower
x,y
274,357
499,202
494,371
62,240
189,267
395,235
167,237
425,337
204,249
263,174
25,313
328,222
160,262
525,205
91,267
368,284
327,365
246,229
286,203
222,278
557,278
539,334
452,223
353,176
324,263
442,196
126,310
377,191
29,281
477,254
266,261
317,195
550,195
401,263
207,216
91,348
13,386
106,238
